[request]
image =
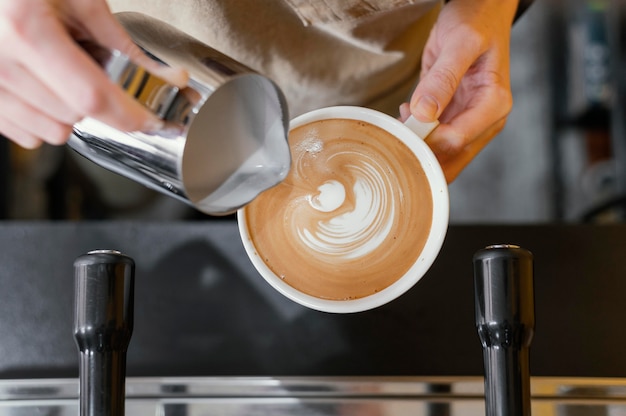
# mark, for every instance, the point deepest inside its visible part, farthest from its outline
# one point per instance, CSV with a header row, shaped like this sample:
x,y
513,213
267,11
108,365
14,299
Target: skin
x,y
465,81
48,83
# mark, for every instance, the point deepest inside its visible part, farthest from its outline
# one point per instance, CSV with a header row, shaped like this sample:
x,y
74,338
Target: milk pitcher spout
x,y
224,139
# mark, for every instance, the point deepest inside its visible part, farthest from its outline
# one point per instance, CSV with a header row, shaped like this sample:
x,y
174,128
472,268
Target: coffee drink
x,y
352,216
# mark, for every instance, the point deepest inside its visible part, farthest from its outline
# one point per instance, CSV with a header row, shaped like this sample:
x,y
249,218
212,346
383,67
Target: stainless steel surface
x,y
343,396
225,135
166,101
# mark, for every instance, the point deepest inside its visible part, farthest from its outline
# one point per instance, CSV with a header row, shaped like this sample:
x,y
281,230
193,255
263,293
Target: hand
x,y
48,83
465,80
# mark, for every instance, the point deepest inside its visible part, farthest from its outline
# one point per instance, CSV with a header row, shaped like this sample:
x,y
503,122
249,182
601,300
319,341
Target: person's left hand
x,y
465,80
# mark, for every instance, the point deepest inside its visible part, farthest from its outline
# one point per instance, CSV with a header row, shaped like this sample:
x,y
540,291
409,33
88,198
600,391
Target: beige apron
x,y
325,52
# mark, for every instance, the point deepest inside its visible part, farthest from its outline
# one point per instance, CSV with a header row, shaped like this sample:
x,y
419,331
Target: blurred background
x,y
561,157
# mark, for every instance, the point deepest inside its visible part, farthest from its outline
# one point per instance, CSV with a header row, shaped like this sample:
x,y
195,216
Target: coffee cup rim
x,y
434,242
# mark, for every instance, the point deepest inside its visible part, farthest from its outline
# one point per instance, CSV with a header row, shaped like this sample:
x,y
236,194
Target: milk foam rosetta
x,y
351,217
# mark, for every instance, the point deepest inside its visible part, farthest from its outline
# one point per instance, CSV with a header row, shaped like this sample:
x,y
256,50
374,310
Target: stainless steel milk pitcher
x,y
225,135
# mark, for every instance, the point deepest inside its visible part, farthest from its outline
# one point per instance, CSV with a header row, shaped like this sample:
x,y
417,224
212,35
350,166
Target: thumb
x,y
439,83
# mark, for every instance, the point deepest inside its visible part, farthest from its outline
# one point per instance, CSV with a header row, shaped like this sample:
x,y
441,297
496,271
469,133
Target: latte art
x,y
347,224
351,217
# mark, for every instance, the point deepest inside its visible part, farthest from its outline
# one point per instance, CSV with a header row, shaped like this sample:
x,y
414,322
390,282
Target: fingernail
x,y
405,111
427,106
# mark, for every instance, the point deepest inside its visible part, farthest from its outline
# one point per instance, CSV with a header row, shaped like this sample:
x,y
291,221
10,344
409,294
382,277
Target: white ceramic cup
x,y
411,133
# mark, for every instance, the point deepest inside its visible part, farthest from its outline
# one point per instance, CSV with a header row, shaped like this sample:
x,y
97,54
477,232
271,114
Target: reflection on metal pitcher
x,y
225,135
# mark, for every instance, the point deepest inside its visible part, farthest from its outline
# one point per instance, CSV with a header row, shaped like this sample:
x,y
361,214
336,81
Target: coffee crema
x,y
352,216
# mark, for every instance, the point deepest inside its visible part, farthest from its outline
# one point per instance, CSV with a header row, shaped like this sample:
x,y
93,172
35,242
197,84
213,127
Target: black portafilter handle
x,y
103,325
505,320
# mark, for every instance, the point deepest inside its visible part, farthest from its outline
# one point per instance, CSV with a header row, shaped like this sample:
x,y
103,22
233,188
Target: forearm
x,y
522,6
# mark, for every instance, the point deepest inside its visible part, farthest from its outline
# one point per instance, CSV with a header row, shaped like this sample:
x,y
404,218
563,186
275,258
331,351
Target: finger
x,y
488,106
450,148
446,142
405,112
18,135
438,85
110,33
68,71
32,121
18,81
453,166
174,76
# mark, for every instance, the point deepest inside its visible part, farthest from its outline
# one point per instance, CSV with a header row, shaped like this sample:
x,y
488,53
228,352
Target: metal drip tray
x,y
295,396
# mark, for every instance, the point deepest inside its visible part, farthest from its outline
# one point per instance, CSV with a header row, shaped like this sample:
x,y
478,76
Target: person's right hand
x,y
48,83
465,80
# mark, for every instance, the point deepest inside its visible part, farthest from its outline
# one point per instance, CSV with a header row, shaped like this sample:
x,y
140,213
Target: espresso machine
x,y
104,295
188,327
103,324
